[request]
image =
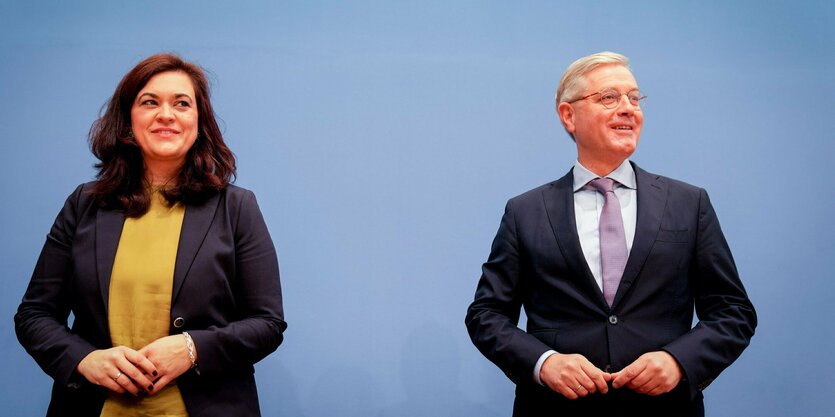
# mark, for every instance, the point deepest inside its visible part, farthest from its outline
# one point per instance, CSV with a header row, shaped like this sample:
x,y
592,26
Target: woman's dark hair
x,y
120,183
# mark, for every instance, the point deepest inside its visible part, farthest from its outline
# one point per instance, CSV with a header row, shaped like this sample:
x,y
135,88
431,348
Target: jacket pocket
x,y
547,336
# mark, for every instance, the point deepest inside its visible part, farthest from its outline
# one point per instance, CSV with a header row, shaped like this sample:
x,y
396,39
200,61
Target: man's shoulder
x,y
644,178
648,178
535,194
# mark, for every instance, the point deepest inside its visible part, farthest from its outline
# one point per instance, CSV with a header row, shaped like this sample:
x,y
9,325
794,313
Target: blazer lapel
x,y
109,225
196,223
559,204
652,198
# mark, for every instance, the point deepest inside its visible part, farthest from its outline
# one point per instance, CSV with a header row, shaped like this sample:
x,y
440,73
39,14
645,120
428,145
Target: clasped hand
x,y
573,376
140,372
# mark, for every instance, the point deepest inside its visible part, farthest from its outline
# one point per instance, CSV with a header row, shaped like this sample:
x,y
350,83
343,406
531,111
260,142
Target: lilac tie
x,y
613,251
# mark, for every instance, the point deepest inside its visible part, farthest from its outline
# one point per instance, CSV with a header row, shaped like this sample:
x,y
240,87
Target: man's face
x,y
604,136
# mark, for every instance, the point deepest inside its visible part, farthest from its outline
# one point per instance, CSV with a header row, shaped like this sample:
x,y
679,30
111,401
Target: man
x,y
609,262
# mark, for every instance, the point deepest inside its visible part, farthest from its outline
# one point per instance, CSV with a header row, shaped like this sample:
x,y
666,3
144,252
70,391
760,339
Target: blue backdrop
x,y
383,138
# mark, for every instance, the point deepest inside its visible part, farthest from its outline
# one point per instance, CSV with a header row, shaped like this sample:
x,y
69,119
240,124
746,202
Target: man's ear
x,y
566,114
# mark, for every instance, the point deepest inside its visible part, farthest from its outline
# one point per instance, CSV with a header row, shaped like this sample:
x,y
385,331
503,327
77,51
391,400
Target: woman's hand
x,y
119,369
170,356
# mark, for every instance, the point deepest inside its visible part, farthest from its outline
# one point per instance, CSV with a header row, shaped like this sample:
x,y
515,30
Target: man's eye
x,y
608,97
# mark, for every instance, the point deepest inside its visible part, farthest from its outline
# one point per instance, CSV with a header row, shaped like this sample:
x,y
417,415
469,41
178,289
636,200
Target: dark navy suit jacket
x,y
679,260
226,294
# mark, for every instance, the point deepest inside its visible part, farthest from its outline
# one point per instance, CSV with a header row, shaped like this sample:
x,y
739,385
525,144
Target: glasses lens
x,y
635,97
609,98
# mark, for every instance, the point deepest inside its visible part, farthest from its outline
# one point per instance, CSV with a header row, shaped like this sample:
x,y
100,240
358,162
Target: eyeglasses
x,y
610,98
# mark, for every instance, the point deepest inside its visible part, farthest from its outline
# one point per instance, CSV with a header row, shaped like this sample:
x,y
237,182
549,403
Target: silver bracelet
x,y
190,347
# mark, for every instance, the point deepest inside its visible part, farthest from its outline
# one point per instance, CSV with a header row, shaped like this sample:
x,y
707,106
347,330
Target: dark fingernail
x,y
154,373
151,387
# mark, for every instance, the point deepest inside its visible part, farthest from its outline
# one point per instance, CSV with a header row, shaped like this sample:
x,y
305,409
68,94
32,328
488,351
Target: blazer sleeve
x,y
726,316
493,316
41,319
257,330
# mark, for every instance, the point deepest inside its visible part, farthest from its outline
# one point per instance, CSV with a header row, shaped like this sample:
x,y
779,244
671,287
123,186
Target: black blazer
x,y
679,259
226,294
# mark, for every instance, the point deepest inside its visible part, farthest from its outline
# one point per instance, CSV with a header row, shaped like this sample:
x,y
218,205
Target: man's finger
x,y
567,392
627,374
597,382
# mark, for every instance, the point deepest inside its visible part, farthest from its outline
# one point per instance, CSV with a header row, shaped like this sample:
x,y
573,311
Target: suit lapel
x,y
109,225
652,198
196,223
559,204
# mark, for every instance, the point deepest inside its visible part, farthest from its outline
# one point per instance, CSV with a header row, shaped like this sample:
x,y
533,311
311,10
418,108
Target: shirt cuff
x,y
538,366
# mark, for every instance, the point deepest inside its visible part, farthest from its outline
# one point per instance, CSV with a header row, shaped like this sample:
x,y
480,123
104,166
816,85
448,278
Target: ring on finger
x,y
117,376
578,387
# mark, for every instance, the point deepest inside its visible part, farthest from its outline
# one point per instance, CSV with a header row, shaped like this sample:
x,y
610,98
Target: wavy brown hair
x,y
120,182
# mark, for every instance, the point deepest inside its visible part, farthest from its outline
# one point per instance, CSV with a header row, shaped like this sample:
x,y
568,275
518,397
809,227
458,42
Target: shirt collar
x,y
623,174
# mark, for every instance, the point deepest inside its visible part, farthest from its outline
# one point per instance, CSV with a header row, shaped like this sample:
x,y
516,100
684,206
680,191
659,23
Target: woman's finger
x,y
143,364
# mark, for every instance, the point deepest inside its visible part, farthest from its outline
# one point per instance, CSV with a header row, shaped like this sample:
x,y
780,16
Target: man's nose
x,y
625,106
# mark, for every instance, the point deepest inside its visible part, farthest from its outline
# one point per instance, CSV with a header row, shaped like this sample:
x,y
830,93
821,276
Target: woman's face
x,y
164,118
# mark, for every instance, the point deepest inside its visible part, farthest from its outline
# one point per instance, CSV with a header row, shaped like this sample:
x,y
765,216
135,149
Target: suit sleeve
x,y
41,319
258,328
493,316
726,316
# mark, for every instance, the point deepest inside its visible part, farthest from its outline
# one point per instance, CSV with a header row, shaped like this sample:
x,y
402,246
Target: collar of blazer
x,y
558,198
196,224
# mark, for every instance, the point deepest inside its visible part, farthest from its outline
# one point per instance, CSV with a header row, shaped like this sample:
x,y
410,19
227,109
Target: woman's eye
x,y
148,102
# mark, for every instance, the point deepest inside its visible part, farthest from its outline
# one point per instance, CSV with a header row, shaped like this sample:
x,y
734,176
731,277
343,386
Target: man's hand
x,y
573,376
653,373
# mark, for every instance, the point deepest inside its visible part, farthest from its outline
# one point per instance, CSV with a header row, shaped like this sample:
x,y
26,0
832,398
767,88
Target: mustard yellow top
x,y
140,300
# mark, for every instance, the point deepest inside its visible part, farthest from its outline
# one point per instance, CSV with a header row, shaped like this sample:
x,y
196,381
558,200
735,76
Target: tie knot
x,y
603,185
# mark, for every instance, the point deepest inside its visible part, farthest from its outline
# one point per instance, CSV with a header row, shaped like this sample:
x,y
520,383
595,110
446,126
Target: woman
x,y
168,269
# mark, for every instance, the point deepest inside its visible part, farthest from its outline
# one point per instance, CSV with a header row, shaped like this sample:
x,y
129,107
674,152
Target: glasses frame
x,y
636,104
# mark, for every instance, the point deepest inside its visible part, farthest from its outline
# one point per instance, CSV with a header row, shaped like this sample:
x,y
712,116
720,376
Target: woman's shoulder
x,y
240,197
79,205
234,193
82,196
236,190
84,186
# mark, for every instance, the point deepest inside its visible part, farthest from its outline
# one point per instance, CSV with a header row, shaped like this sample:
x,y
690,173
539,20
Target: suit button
x,y
179,322
613,319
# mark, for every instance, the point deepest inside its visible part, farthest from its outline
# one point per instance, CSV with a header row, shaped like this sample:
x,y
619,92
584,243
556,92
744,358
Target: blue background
x,y
383,138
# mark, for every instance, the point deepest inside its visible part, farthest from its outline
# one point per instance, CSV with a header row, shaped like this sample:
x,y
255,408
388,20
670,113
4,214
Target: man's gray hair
x,y
572,81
